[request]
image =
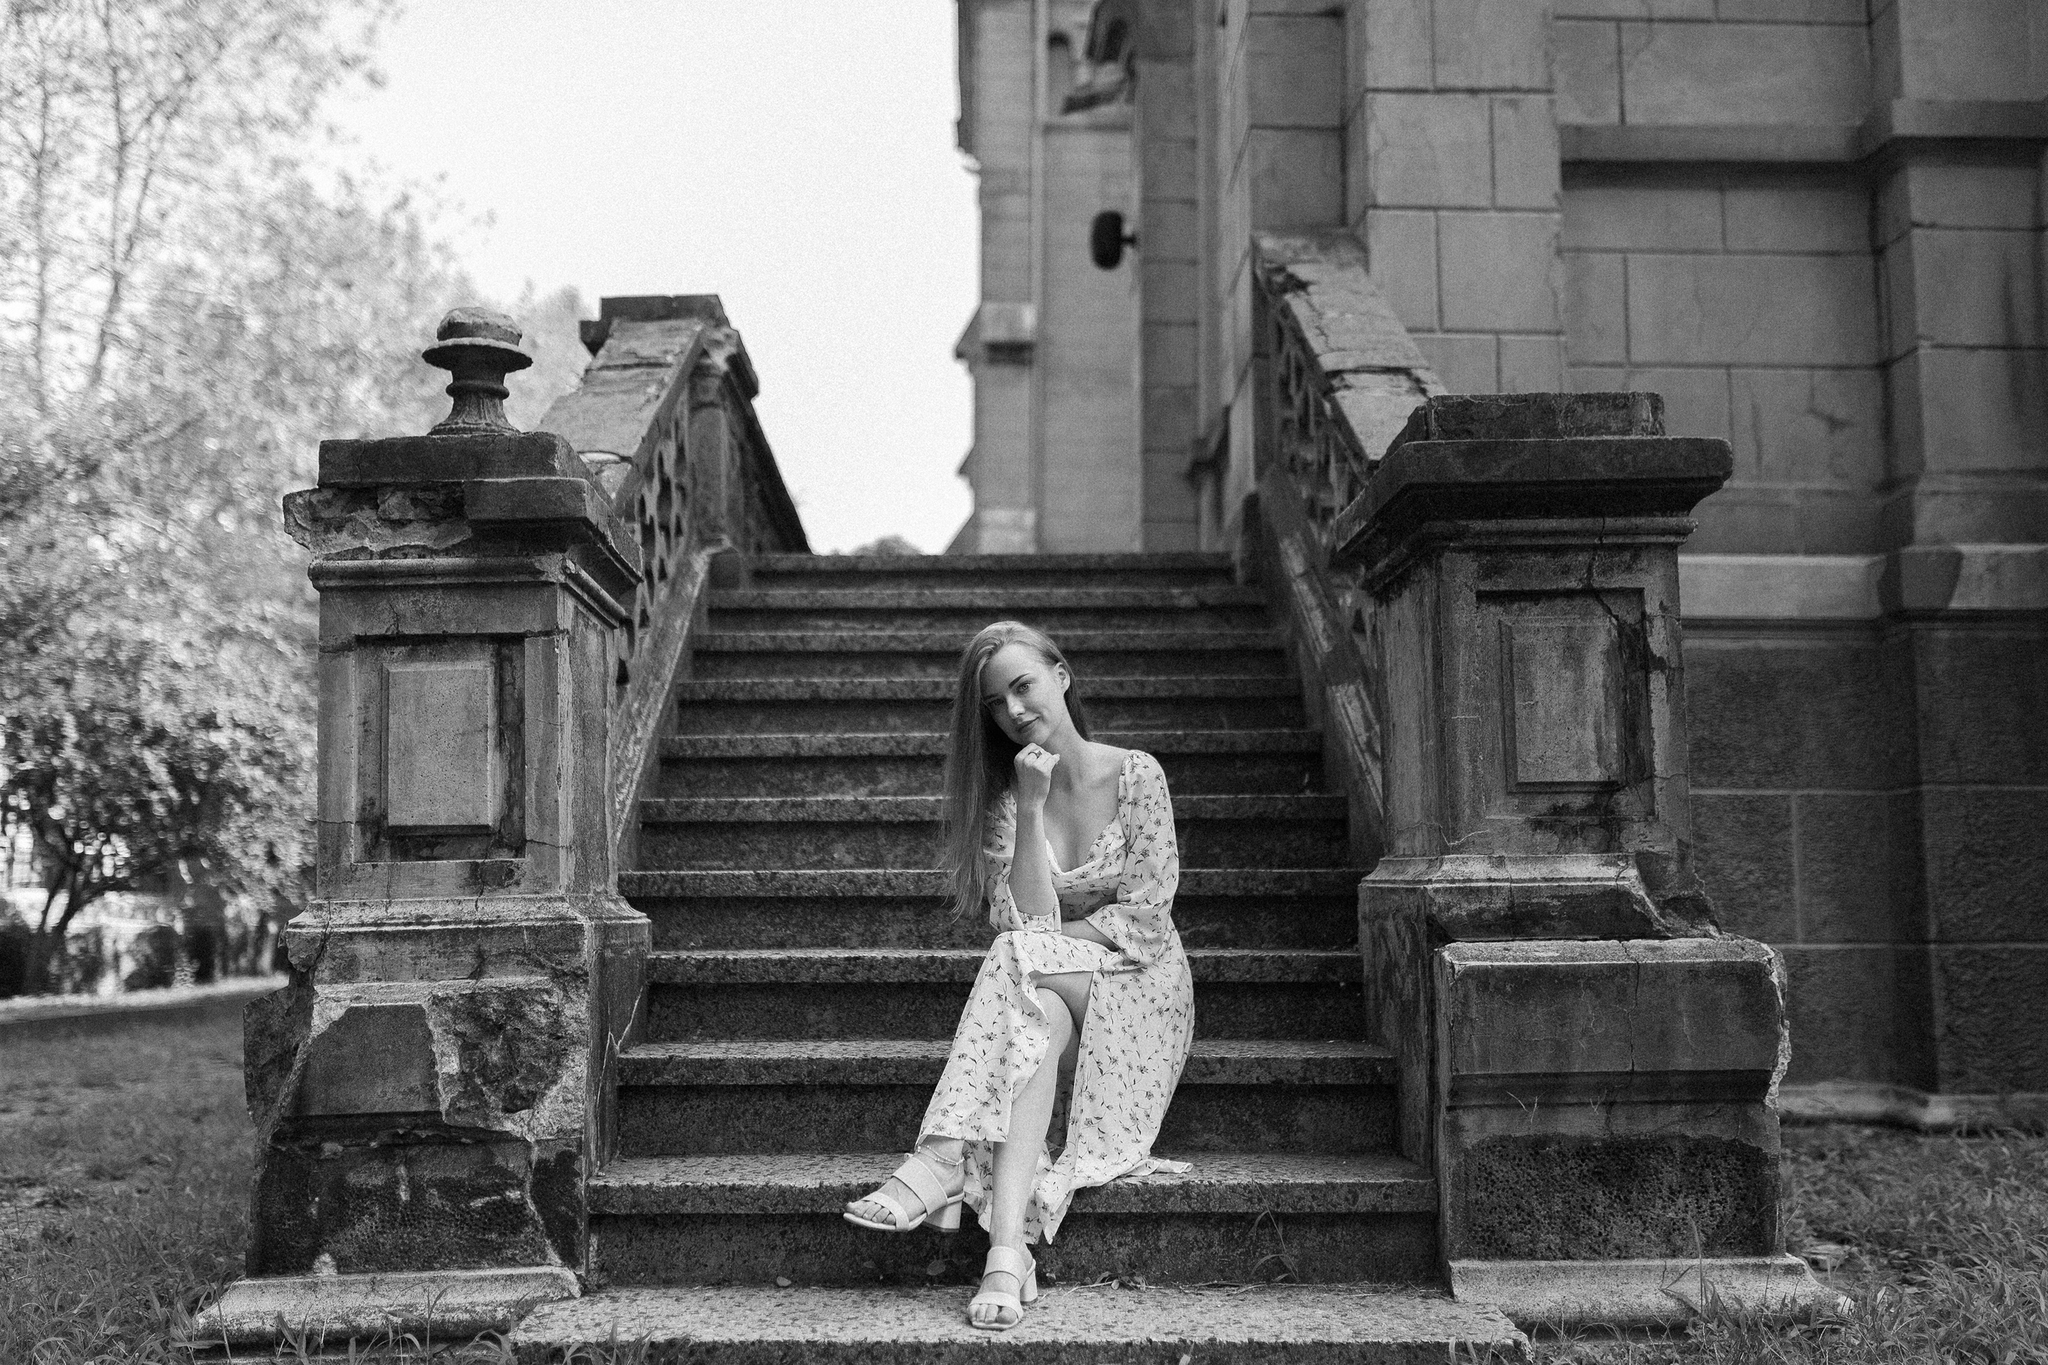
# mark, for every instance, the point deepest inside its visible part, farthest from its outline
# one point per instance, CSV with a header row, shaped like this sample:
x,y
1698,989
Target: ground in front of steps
x,y
1303,1324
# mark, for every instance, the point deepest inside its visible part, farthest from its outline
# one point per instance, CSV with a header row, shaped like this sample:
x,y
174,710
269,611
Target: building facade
x,y
1816,227
1052,344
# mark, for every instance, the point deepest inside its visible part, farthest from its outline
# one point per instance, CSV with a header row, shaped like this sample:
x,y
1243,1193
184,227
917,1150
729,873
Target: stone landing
x,y
1298,1324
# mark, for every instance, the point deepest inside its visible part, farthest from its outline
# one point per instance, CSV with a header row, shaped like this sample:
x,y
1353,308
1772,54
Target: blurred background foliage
x,y
198,283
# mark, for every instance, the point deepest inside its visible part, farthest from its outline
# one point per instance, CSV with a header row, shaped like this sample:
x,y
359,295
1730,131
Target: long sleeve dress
x,y
1140,1018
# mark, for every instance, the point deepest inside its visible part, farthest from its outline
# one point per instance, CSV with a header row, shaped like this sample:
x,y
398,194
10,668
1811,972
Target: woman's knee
x,y
1055,1010
1072,989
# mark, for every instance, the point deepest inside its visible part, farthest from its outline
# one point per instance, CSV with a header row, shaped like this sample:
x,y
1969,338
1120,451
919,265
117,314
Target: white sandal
x,y
1013,1262
922,1172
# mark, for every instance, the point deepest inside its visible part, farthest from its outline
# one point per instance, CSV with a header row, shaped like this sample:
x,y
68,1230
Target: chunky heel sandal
x,y
1013,1262
923,1173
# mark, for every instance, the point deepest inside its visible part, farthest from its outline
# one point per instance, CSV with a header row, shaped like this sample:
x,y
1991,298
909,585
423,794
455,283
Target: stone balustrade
x,y
502,615
1488,614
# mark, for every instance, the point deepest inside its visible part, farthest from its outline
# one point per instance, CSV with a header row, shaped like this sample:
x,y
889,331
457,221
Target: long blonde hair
x,y
980,756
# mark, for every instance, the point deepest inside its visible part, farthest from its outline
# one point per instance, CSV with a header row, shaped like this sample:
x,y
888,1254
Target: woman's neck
x,y
1067,743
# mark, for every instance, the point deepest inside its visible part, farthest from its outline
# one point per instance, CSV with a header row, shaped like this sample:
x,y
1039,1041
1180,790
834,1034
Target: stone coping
x,y
1892,122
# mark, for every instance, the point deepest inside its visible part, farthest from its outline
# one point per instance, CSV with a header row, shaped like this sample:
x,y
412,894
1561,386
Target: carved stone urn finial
x,y
479,348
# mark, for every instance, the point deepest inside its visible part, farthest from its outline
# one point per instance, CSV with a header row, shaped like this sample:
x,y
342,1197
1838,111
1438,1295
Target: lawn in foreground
x,y
123,1206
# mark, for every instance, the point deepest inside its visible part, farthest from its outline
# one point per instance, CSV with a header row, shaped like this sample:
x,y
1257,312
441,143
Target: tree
x,y
139,751
187,307
893,546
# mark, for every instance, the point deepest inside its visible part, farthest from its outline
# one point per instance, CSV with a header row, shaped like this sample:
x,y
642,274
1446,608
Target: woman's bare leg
x,y
1064,998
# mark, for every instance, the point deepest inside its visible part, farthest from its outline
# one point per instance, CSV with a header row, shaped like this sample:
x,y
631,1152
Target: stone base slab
x,y
1874,1102
332,1309
1302,1324
1641,1293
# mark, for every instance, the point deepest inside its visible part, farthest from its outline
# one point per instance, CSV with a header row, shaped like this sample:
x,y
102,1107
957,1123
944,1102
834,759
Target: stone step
x,y
936,653
919,992
868,1095
1299,1324
890,907
1181,569
966,610
903,831
1197,762
790,706
750,1219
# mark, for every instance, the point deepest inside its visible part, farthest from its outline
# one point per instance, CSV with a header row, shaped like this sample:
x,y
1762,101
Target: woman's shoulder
x,y
1141,766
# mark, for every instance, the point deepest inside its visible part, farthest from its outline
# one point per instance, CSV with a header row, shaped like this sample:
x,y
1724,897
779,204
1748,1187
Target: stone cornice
x,y
1895,126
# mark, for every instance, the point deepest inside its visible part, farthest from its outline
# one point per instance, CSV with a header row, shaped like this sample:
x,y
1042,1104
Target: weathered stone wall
x,y
1452,182
1749,300
1869,772
1816,227
1713,62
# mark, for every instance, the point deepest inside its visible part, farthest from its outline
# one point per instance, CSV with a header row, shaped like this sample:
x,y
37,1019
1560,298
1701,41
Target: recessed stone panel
x,y
1564,695
440,770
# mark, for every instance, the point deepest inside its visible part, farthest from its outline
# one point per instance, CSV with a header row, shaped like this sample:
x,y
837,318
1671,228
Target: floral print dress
x,y
1141,1006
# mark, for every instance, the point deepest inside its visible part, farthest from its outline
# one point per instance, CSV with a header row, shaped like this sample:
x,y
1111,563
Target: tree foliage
x,y
189,303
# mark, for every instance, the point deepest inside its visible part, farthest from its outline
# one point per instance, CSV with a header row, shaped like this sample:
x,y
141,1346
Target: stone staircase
x,y
807,977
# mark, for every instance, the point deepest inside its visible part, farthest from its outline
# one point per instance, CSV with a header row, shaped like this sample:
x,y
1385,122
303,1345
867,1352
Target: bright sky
x,y
794,157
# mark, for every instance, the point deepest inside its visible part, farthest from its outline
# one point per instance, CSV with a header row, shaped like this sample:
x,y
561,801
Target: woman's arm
x,y
1140,920
1031,865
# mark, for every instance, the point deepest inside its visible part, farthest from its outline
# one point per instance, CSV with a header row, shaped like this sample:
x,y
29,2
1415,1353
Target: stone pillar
x,y
1959,228
1587,1064
429,1091
1452,181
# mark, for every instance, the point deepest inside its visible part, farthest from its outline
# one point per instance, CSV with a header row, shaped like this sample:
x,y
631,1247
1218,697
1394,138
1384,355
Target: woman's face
x,y
1026,696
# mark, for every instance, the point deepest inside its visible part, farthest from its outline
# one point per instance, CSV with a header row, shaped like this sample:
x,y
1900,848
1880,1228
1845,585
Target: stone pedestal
x,y
429,1092
1586,1062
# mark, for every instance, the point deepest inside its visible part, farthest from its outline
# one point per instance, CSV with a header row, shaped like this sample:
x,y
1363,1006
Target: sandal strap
x,y
1009,1261
917,1173
889,1202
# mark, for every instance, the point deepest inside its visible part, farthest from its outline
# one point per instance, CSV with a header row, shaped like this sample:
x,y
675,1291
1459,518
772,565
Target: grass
x,y
124,1164
1940,1243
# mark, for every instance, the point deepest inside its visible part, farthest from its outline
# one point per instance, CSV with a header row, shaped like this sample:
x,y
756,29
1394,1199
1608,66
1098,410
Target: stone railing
x,y
665,418
1487,620
1337,373
502,617
1336,376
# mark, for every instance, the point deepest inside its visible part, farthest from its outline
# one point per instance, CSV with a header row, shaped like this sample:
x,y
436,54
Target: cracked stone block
x,y
373,1059
419,1125
1609,1100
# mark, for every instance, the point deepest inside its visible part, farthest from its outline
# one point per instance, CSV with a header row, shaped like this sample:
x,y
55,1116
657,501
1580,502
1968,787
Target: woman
x,y
1071,845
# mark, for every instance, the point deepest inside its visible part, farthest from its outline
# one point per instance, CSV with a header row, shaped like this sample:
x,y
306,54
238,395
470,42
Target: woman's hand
x,y
1034,776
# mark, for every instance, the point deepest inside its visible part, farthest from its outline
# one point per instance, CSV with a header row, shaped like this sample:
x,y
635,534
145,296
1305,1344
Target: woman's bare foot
x,y
944,1153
